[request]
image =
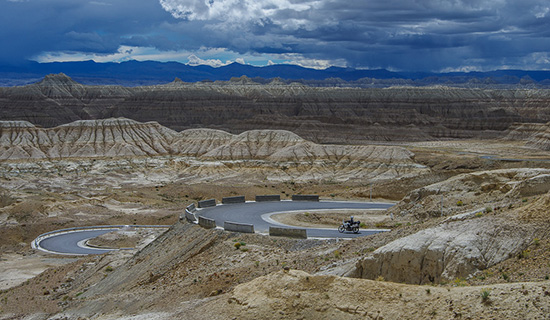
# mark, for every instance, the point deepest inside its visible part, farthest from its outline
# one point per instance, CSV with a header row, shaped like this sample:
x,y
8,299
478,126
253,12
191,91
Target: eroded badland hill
x,y
468,172
322,115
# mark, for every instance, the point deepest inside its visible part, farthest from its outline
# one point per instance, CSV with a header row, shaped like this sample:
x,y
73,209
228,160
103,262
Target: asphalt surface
x,y
257,213
68,243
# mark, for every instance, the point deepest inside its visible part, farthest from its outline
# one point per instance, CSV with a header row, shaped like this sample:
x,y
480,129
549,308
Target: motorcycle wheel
x,y
355,229
341,229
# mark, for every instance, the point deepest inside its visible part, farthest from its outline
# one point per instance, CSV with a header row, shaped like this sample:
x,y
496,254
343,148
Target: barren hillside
x,y
471,217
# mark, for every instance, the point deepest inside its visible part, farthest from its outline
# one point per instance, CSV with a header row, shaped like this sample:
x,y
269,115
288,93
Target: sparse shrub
x,y
524,254
244,249
428,291
479,214
488,209
237,245
380,278
536,242
485,294
337,254
380,225
362,225
306,214
524,200
109,269
459,282
505,276
459,203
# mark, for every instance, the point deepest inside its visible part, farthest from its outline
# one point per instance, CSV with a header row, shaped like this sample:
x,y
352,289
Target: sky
x,y
398,35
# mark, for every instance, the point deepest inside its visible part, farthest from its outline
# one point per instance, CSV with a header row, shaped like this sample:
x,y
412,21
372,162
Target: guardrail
x,y
230,200
238,227
207,223
207,203
288,232
305,197
270,197
189,216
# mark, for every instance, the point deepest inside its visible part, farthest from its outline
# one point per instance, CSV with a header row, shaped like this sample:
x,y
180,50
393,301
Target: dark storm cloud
x,y
28,28
427,35
414,35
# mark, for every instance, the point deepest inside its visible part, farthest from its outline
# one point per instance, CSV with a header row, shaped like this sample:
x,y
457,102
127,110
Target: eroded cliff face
x,y
535,135
327,115
194,154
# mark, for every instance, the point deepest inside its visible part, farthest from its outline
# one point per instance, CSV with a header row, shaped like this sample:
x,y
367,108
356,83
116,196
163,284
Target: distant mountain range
x,y
136,73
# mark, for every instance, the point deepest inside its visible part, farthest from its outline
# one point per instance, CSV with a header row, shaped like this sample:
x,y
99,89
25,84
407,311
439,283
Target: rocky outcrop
x,y
535,135
472,191
446,252
465,242
326,115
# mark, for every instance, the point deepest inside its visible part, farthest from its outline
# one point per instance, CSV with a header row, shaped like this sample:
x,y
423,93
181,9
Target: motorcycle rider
x,y
350,221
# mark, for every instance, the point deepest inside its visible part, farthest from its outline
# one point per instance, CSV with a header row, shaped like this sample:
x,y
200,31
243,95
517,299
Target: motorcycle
x,y
347,226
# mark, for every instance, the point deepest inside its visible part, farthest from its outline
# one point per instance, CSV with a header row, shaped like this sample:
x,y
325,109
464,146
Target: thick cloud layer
x,y
424,35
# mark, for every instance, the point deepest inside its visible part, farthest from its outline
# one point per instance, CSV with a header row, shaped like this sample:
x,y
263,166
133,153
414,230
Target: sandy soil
x,y
18,268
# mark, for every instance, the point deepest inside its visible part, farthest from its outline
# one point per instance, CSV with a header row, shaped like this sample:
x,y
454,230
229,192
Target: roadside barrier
x,y
207,223
305,197
238,227
189,216
229,200
288,232
207,203
273,197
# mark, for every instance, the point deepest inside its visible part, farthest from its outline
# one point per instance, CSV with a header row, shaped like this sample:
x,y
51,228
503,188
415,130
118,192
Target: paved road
x,y
257,213
68,243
